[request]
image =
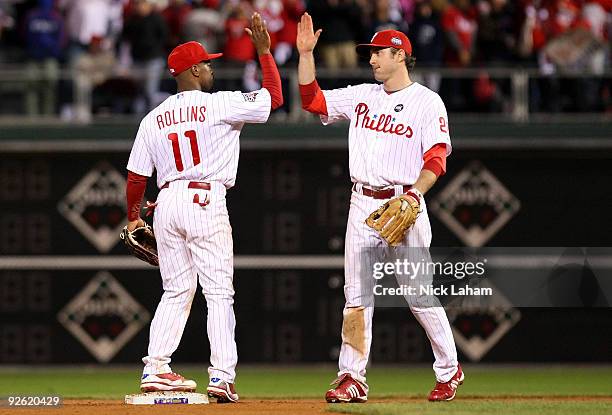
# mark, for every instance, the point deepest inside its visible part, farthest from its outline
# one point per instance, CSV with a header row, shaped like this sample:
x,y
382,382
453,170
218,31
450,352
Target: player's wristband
x,y
414,193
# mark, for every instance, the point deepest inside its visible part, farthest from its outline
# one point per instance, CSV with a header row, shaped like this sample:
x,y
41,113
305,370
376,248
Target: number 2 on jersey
x,y
193,141
443,126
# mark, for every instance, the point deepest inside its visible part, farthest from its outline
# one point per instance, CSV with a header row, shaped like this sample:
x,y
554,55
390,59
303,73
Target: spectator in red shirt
x,y
459,23
239,49
545,22
271,12
238,45
175,15
285,48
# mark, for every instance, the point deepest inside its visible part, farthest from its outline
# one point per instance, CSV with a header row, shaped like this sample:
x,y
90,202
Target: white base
x,y
166,398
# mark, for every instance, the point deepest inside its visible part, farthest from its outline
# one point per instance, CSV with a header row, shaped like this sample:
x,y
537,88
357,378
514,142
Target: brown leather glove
x,y
141,243
393,219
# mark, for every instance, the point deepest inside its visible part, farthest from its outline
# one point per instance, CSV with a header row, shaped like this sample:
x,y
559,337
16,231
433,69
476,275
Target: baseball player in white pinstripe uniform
x,y
398,143
192,140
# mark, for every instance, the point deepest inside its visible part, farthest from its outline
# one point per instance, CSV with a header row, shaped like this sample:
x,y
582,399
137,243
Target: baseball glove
x,y
393,219
141,243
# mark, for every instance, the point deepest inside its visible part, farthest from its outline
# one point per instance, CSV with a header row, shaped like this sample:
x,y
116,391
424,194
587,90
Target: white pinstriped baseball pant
x,y
194,244
363,247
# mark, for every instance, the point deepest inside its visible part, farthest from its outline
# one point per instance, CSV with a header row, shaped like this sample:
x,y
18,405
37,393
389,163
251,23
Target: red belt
x,y
381,194
191,185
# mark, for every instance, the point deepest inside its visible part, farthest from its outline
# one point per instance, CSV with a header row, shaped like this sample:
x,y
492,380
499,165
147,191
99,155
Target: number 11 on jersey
x,y
193,141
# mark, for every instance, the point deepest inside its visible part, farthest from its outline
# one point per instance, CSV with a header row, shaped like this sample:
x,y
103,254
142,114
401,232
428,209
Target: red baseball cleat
x,y
222,391
166,382
446,391
346,390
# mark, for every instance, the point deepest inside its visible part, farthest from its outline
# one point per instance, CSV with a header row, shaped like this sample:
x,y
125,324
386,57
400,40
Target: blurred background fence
x,y
502,93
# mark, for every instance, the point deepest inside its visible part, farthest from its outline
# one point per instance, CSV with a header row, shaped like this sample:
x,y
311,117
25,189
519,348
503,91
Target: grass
x,y
311,382
459,407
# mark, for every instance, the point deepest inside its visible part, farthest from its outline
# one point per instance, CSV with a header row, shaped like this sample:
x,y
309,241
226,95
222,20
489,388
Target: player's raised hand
x,y
259,34
306,36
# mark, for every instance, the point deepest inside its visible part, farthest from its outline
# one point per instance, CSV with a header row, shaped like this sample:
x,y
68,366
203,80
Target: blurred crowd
x,y
106,42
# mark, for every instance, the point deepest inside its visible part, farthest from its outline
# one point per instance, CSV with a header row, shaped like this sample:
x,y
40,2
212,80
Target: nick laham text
x,y
406,290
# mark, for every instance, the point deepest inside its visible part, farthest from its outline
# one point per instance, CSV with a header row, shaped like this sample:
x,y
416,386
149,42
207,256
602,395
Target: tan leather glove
x,y
394,218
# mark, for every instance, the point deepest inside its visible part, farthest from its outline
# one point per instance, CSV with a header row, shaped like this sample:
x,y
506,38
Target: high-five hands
x,y
306,36
259,34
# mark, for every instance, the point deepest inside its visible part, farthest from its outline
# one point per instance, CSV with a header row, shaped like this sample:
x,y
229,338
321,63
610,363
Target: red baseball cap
x,y
386,39
187,54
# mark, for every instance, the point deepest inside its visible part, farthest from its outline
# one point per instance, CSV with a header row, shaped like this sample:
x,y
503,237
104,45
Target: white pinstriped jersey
x,y
389,133
193,135
388,136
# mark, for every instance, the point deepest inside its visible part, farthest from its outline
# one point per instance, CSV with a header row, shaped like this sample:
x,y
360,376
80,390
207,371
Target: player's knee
x,y
219,294
181,292
359,298
422,303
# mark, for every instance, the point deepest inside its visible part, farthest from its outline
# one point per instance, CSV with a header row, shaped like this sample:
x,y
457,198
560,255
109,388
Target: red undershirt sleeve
x,y
313,99
435,159
134,192
271,79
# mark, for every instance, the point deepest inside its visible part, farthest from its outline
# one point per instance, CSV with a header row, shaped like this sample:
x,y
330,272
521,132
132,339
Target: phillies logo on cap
x,y
386,39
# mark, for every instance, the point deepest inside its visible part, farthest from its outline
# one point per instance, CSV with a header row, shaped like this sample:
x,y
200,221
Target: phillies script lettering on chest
x,y
383,123
187,114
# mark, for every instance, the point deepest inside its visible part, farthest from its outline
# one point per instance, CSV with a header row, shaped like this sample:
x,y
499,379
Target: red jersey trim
x,y
134,192
271,79
435,159
313,99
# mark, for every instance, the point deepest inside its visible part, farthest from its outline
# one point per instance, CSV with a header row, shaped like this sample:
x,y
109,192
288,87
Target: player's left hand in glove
x,y
394,218
141,243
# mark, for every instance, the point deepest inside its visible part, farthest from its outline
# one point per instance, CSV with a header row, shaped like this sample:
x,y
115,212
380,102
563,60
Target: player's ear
x,y
195,70
401,54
